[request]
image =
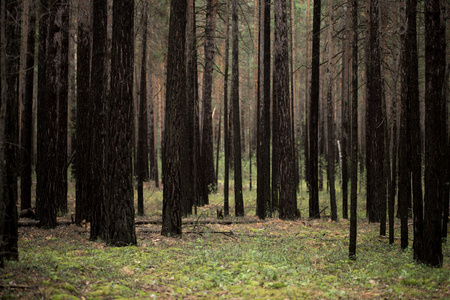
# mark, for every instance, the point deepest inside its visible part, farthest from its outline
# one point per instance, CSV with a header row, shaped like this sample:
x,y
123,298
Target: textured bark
x,y
263,203
119,202
26,135
434,127
354,134
10,234
238,199
62,92
207,154
314,116
288,196
330,117
3,97
142,147
83,140
98,92
375,123
226,121
175,99
47,172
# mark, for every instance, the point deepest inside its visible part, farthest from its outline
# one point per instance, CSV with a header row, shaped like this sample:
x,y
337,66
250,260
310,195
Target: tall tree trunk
x,y
175,101
314,116
83,139
263,203
226,121
375,123
26,135
354,134
142,147
330,117
207,154
434,128
238,199
47,171
63,93
288,190
97,119
10,233
119,202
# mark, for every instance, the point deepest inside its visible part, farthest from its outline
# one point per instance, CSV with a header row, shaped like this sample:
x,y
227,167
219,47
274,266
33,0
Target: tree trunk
x,y
26,135
207,131
434,128
354,134
226,122
286,163
47,171
142,150
330,117
175,101
375,123
83,141
238,199
314,116
263,203
97,118
119,202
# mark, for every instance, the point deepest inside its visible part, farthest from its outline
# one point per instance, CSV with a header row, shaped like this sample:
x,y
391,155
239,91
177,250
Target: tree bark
x,y
175,99
238,199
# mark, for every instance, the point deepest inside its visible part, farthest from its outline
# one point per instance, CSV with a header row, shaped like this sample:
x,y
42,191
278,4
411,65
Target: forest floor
x,y
233,258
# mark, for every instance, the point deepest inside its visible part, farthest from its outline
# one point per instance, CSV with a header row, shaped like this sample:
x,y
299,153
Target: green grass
x,y
273,259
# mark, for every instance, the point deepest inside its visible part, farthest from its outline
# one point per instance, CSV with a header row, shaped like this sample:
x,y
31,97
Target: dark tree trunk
x,y
3,97
226,121
63,93
330,118
175,101
375,123
83,137
238,199
345,130
47,171
97,119
434,127
288,195
190,177
142,150
151,132
314,116
10,234
26,134
119,203
263,203
207,154
354,134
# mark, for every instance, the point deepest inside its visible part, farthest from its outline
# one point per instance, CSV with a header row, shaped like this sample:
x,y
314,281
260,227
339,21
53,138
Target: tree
x,y
263,124
119,203
375,123
47,171
62,38
354,133
83,140
12,26
97,133
434,127
330,117
226,125
142,147
207,155
238,199
288,196
26,134
314,116
175,99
